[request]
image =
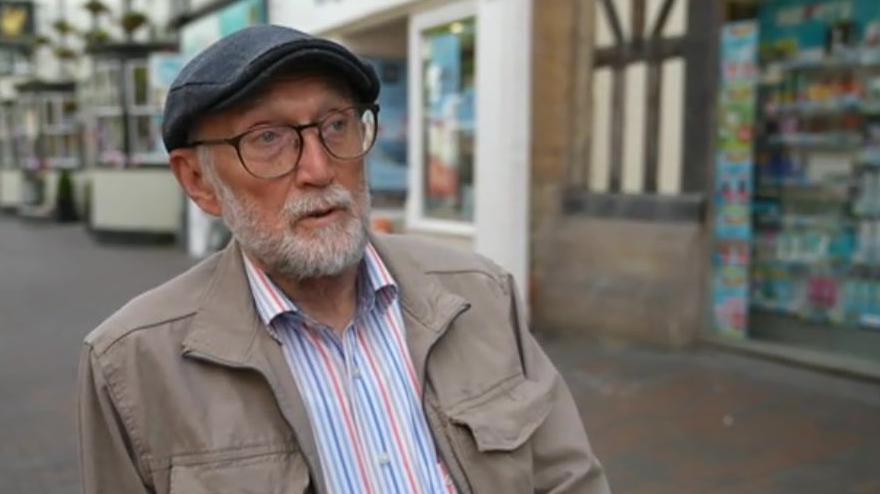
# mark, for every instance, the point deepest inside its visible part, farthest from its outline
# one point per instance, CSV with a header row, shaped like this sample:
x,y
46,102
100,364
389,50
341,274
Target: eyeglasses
x,y
273,151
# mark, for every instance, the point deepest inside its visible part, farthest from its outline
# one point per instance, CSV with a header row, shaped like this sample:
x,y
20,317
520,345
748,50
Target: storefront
x,y
44,143
131,189
796,256
10,176
452,159
17,24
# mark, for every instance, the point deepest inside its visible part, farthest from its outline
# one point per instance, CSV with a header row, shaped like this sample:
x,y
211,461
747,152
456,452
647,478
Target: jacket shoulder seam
x,y
129,330
495,277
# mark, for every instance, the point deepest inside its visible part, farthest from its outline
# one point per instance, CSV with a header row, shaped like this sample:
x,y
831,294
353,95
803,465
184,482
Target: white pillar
x,y
504,70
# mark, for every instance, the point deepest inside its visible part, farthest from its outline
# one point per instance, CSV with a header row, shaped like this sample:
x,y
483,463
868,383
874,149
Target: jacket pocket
x,y
491,435
279,473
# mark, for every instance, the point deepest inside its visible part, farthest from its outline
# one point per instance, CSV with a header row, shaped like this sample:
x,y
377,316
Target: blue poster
x,y
197,35
444,72
386,164
733,199
734,171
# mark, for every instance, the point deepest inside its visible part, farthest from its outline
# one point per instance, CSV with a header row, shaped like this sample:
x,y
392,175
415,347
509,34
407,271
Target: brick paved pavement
x,y
685,423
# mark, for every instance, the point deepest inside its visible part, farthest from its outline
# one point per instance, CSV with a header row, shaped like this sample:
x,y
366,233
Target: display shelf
x,y
831,108
803,264
769,305
827,65
849,142
809,223
817,108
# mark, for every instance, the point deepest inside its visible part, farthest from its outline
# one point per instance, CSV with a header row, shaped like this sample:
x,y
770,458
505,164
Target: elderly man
x,y
310,355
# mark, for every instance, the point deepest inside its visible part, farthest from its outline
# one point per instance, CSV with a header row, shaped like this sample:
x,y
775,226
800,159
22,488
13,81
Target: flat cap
x,y
240,64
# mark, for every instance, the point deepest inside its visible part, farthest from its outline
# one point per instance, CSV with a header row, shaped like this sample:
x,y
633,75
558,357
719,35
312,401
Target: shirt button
x,y
383,459
356,372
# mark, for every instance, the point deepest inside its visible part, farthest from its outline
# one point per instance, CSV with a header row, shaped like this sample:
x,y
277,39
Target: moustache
x,y
317,203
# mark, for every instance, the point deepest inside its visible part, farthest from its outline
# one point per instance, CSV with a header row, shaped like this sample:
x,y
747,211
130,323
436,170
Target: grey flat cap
x,y
236,66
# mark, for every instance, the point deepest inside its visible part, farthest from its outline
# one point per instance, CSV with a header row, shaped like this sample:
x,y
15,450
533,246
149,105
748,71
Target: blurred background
x,y
686,191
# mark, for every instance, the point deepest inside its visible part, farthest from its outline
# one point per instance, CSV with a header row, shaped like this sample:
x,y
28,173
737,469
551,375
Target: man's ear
x,y
186,167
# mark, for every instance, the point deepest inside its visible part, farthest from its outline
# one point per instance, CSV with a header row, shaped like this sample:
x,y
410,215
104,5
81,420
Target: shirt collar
x,y
270,301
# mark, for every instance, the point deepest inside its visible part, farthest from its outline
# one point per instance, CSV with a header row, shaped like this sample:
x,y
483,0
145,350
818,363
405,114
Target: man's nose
x,y
315,166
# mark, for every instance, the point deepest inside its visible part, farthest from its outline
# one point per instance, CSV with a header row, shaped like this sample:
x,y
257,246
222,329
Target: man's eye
x,y
267,136
336,125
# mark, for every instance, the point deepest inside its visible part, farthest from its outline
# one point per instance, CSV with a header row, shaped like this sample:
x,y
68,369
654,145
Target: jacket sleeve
x,y
107,461
563,459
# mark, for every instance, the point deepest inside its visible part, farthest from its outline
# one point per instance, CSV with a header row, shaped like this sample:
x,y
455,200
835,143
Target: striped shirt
x,y
360,389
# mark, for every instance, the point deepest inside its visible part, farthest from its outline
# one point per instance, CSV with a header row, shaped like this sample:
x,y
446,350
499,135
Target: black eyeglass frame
x,y
236,139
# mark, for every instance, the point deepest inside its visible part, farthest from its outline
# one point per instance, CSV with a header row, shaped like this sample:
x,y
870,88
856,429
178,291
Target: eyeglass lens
x,y
274,151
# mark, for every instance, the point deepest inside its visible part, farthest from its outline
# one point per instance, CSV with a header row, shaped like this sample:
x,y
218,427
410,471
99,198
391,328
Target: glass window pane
x,y
72,145
140,83
109,137
448,71
141,134
49,113
107,85
387,162
52,150
68,110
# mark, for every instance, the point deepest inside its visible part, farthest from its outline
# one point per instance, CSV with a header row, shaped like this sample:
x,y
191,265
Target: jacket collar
x,y
427,306
227,327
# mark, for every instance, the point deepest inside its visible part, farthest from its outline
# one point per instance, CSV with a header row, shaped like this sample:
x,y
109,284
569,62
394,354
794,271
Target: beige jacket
x,y
184,391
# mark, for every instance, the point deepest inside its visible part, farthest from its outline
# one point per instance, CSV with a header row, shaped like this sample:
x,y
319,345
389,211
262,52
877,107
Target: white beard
x,y
274,242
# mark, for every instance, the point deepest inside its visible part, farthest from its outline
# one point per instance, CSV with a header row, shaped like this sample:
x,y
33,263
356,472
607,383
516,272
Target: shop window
x,y
6,152
68,111
105,91
142,140
109,135
139,87
387,162
27,132
114,120
50,113
797,202
443,51
72,145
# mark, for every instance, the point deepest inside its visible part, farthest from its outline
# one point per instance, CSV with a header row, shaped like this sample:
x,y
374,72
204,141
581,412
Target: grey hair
x,y
206,161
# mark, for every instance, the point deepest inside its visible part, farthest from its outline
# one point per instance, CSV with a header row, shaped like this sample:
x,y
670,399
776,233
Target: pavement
x,y
689,422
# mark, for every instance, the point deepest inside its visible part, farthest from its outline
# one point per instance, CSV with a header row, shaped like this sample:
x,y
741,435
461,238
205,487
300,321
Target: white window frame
x,y
416,219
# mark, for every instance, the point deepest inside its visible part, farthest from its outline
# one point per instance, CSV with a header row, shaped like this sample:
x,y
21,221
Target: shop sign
x,y
316,16
197,35
16,20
